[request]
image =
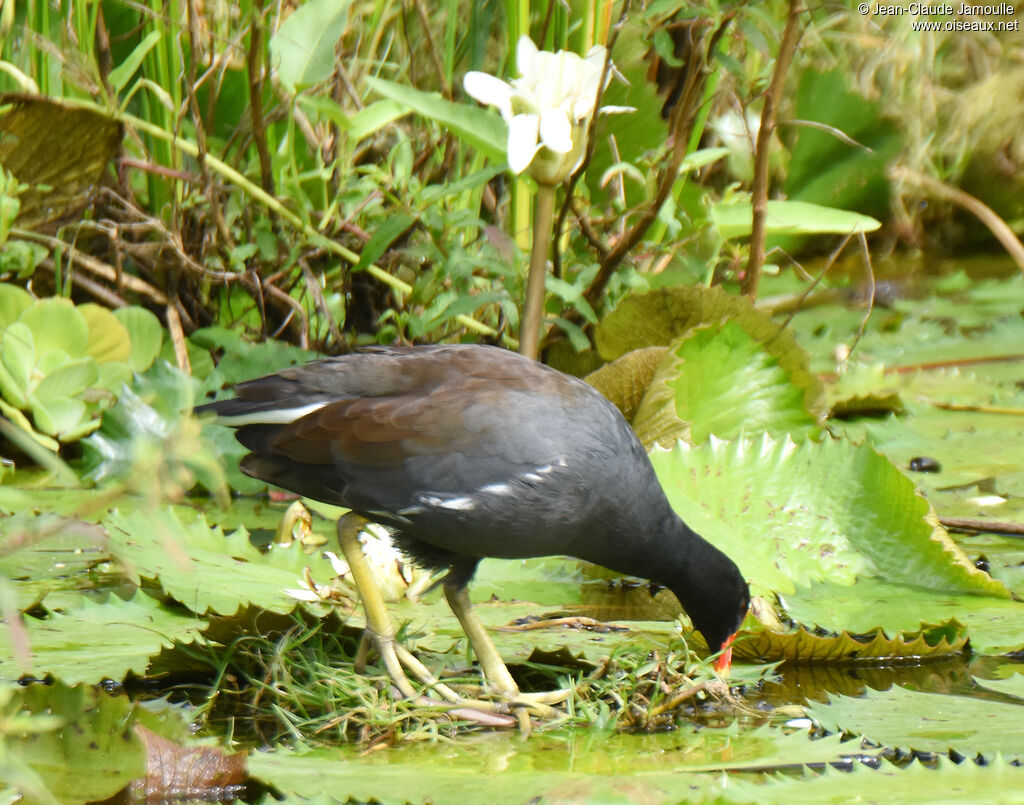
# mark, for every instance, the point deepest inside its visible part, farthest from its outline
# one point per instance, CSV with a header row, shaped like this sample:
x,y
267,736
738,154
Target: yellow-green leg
x,y
378,623
495,671
381,633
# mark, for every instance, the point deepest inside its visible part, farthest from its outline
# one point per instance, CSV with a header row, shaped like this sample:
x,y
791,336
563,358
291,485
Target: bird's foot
x,y
508,701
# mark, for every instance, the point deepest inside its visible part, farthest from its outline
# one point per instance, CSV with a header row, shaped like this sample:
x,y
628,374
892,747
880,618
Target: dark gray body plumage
x,y
472,451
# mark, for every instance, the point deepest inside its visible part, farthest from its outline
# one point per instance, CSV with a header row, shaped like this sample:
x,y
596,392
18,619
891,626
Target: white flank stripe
x,y
277,416
496,489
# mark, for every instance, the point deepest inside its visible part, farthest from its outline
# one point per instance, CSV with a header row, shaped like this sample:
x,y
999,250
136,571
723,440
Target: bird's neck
x,y
665,551
683,556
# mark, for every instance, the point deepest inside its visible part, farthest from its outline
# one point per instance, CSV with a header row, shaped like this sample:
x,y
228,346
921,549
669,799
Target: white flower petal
x,y
615,110
526,54
302,595
340,565
522,141
489,90
556,130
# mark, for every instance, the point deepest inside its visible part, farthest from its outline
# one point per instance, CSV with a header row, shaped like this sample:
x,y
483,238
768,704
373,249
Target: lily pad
x,y
947,783
577,766
624,381
926,722
718,380
791,515
800,645
993,624
98,640
76,742
205,570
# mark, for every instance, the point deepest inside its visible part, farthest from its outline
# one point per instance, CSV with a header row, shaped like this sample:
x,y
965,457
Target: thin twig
x,y
94,266
684,695
321,304
178,339
254,67
828,264
101,292
759,190
989,526
446,88
997,226
871,298
980,409
839,134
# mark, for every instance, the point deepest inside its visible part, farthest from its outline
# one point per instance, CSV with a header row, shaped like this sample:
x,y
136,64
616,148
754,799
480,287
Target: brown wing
x,y
394,424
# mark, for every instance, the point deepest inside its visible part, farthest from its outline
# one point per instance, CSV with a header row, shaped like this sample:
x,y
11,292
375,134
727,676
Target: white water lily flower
x,y
547,107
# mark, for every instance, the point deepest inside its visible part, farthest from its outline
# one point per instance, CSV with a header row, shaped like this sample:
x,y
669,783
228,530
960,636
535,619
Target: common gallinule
x,y
468,452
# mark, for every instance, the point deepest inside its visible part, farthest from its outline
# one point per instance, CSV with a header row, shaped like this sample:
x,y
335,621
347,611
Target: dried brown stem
x,y
200,128
979,209
254,66
988,526
421,12
871,299
759,190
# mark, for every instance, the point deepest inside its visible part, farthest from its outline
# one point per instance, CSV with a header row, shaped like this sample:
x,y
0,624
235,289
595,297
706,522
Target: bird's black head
x,y
717,602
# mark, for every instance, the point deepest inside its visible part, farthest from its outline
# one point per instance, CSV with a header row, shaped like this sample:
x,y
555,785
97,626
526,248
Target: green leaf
x,y
483,130
792,515
109,340
987,722
718,380
18,353
145,333
113,376
939,783
70,380
393,226
19,419
121,75
373,118
206,571
13,300
321,107
705,156
93,755
790,218
56,325
51,361
99,641
62,418
303,49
